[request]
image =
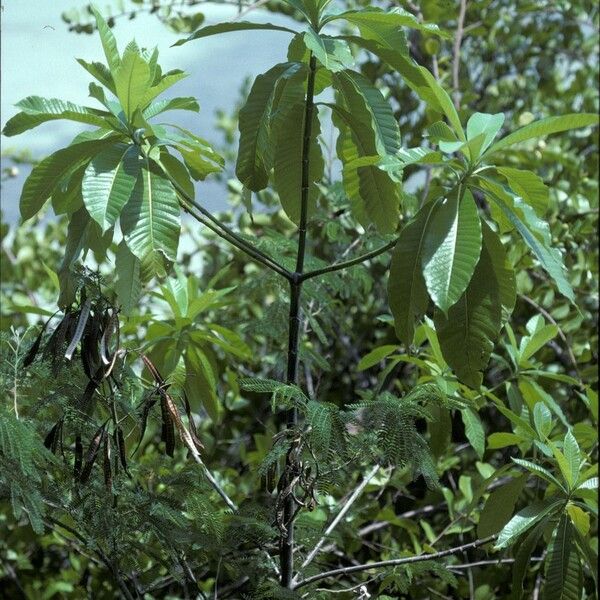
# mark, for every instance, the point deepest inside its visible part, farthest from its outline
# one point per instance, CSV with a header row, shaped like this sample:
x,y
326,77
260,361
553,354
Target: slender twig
x,y
484,563
561,333
456,54
355,494
222,230
392,563
349,263
286,555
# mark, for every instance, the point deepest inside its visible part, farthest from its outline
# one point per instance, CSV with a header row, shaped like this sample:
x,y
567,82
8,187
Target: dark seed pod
x,y
52,439
92,453
79,329
120,440
86,402
148,403
106,463
32,353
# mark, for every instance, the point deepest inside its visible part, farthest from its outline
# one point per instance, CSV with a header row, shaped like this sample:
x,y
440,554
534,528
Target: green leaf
x,y
444,102
375,356
502,439
542,418
539,471
162,106
76,242
572,456
482,123
407,292
332,53
253,161
379,25
150,219
128,285
99,72
287,167
530,345
227,27
468,333
525,519
522,557
452,248
474,430
545,127
177,171
502,270
47,175
108,182
528,186
66,197
36,110
367,105
373,195
535,233
132,79
200,382
109,44
564,577
499,507
164,83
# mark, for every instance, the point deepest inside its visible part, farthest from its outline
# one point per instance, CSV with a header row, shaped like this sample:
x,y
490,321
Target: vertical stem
x,y
287,542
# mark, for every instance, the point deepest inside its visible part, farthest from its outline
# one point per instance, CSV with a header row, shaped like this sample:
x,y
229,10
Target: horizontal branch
x,y
349,263
225,232
355,494
392,563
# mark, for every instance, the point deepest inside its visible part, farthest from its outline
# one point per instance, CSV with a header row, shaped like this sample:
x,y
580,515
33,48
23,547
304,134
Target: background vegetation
x,y
150,525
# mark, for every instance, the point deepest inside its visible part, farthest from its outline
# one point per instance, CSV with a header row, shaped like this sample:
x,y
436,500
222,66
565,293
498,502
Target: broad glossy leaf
x,y
132,79
164,83
564,578
108,182
77,232
150,220
334,54
100,72
407,293
572,456
474,431
545,127
499,507
542,418
177,171
523,556
452,248
200,382
36,110
45,176
287,167
525,519
162,106
486,124
535,233
227,27
128,285
367,104
380,25
528,186
109,44
468,333
373,195
253,165
502,270
579,518
66,197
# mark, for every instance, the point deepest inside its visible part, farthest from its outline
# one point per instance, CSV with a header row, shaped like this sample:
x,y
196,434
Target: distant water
x,y
38,58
